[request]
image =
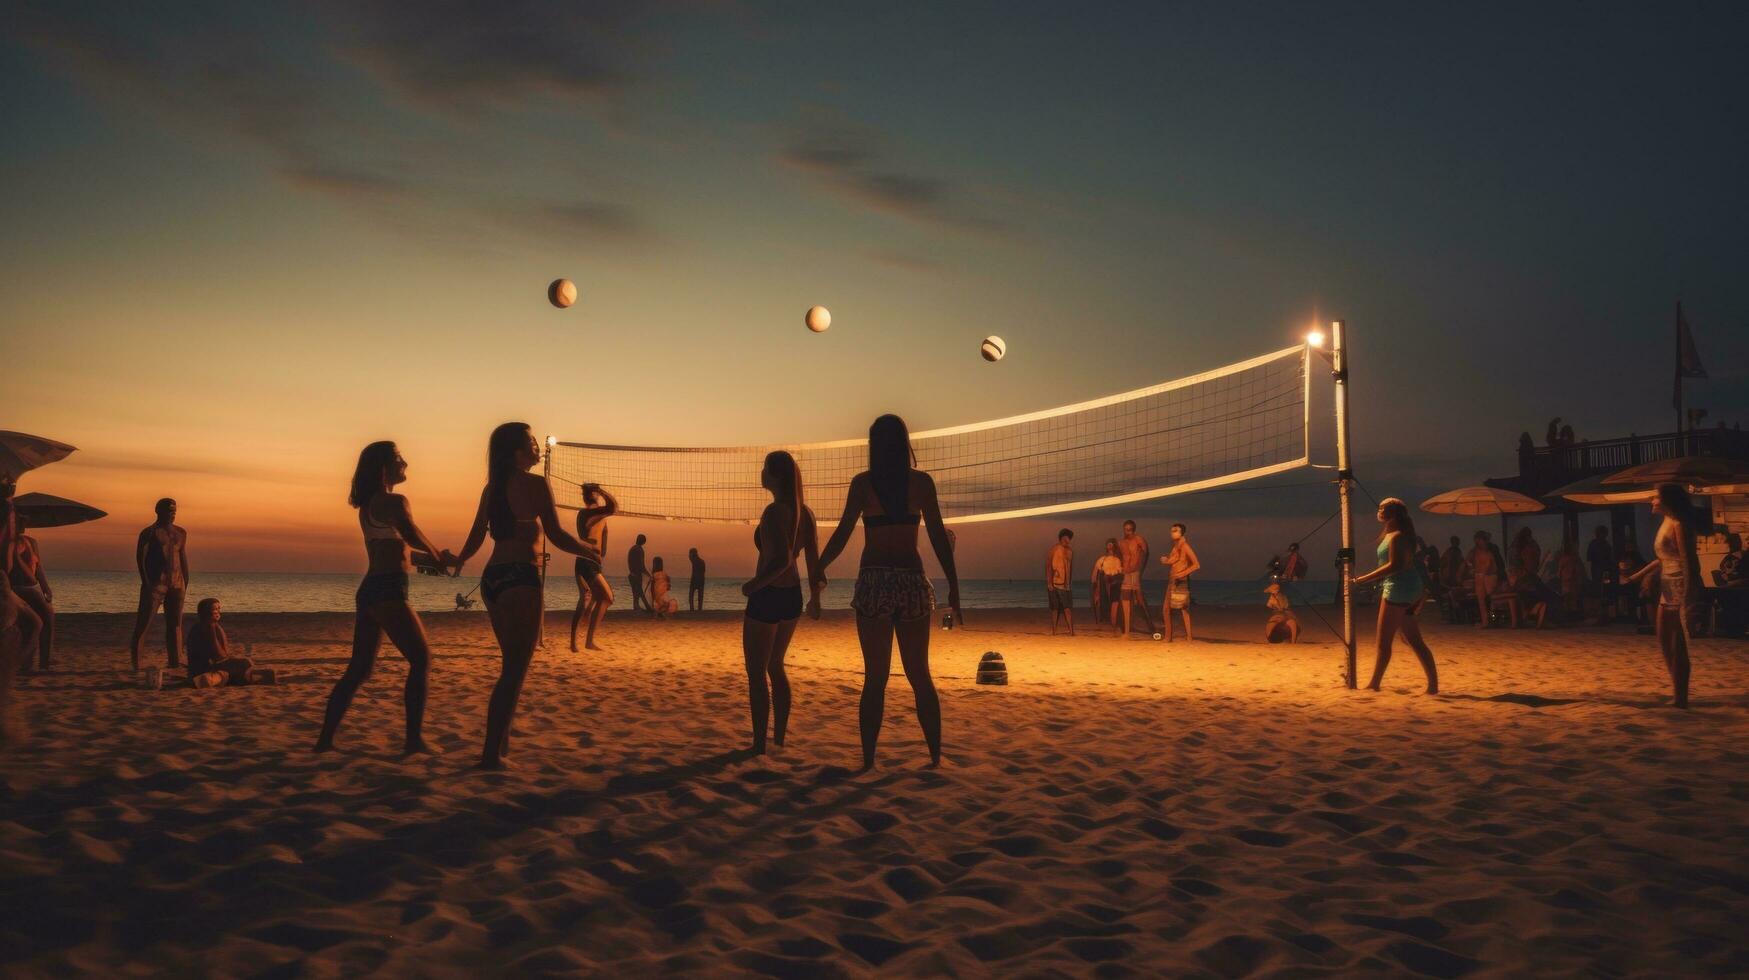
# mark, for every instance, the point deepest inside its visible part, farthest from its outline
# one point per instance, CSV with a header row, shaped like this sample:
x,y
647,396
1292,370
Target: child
x,y
1281,617
210,663
661,604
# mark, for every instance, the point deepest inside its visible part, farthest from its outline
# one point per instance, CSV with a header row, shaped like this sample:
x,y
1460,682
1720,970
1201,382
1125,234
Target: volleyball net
x,y
1234,423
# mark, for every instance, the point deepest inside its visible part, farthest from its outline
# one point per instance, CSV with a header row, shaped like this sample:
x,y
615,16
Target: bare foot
x,y
323,745
574,646
592,646
419,747
499,764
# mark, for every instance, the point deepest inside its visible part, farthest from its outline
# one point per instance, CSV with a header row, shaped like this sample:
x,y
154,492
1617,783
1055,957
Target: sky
x,y
243,240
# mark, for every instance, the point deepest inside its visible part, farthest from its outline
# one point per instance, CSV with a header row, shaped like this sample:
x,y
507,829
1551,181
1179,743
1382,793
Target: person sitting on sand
x,y
695,584
1107,581
594,594
385,521
661,603
210,663
161,555
1401,597
516,508
31,585
1059,574
1282,621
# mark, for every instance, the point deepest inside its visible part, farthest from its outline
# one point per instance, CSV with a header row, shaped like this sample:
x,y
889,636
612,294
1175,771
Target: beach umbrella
x,y
1592,492
1698,470
1481,501
20,452
48,510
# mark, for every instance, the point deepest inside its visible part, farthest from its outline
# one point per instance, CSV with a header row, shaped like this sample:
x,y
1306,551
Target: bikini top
x,y
374,531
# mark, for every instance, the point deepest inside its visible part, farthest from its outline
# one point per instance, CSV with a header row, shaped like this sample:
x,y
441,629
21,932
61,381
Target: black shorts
x,y
775,604
1062,599
587,568
382,587
498,579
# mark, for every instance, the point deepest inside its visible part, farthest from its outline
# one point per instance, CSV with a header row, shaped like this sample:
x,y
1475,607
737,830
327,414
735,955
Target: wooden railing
x,y
1546,467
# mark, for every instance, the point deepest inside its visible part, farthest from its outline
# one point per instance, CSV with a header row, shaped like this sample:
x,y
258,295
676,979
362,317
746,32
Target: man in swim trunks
x,y
1059,573
695,588
636,573
1182,562
161,554
1133,549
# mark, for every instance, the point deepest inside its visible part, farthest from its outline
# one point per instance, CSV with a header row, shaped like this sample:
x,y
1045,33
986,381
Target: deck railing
x,y
1547,467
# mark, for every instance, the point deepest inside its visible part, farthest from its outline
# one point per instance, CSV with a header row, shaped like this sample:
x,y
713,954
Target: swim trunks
x,y
1062,599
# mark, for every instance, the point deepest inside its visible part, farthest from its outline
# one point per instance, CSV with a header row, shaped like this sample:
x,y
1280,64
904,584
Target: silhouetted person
x,y
636,573
662,603
1401,597
1601,558
774,595
1453,568
516,508
1525,550
1181,562
1293,567
30,583
385,521
1059,579
594,595
893,595
161,555
1133,548
695,584
210,663
11,648
1679,584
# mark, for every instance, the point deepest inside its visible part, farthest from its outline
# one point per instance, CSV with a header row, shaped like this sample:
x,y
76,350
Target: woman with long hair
x,y
1107,577
1402,595
594,595
1673,558
1485,561
516,507
774,594
893,595
11,646
386,521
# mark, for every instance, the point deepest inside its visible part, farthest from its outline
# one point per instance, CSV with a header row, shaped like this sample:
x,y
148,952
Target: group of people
x,y
893,596
651,585
1528,585
1116,582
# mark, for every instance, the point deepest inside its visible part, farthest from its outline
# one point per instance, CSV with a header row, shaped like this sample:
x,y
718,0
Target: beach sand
x,y
1221,808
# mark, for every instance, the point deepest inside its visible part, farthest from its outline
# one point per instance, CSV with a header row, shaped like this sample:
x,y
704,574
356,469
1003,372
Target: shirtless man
x,y
695,587
161,554
1059,573
636,573
1133,548
1182,562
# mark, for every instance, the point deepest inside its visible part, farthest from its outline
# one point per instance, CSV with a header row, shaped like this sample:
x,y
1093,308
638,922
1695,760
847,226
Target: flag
x,y
1687,358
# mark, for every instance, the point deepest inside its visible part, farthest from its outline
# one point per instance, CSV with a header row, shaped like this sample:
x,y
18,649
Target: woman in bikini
x,y
893,595
1403,593
594,595
774,594
386,520
31,587
1487,572
516,507
10,647
1673,558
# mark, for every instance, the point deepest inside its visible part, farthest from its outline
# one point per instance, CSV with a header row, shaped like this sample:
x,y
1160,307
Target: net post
x,y
1344,491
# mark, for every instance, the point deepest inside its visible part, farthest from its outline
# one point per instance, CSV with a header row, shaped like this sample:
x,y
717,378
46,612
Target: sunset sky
x,y
243,240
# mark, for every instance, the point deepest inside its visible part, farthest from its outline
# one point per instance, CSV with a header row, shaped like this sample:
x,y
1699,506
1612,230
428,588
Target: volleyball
x,y
993,348
562,293
818,319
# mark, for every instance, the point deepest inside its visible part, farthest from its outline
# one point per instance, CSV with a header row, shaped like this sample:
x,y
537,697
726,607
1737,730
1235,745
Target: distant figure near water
x,y
385,519
1403,593
636,573
1059,581
1678,571
893,595
161,555
774,594
1133,548
1182,563
662,603
695,584
516,508
594,595
1107,581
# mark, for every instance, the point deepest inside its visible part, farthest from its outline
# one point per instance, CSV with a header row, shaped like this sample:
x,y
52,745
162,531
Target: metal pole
x,y
545,559
1344,488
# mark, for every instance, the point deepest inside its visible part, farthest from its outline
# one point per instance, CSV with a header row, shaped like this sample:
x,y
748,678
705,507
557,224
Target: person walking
x,y
1401,598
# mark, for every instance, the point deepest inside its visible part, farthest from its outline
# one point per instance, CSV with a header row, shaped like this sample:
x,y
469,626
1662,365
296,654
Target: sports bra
x,y
374,531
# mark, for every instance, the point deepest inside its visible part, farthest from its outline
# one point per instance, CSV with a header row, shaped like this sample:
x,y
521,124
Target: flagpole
x,y
1677,330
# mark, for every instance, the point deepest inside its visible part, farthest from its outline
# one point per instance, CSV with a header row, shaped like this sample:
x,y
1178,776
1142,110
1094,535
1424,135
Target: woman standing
x,y
10,646
1678,580
774,594
516,507
386,520
1402,595
1107,577
1485,563
893,595
594,595
31,585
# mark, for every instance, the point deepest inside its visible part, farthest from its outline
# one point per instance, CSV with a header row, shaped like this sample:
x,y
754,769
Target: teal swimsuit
x,y
1401,588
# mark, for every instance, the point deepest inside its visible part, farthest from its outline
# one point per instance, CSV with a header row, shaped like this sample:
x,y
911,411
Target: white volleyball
x,y
562,293
818,319
993,349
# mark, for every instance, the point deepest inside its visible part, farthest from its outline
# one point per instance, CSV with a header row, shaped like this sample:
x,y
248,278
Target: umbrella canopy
x,y
48,510
20,452
1480,501
1592,492
1699,470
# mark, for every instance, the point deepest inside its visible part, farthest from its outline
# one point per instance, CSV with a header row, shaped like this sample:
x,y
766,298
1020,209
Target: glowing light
x,y
1315,338
552,441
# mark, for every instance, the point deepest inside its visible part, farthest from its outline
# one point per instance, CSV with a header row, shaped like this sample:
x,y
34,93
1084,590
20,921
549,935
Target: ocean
x,y
113,592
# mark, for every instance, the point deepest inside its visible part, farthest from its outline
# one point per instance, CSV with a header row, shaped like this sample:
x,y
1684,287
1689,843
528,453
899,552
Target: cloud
x,y
136,462
345,183
596,218
849,165
900,260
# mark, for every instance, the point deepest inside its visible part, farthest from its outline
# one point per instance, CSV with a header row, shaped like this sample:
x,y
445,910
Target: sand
x,y
1219,808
